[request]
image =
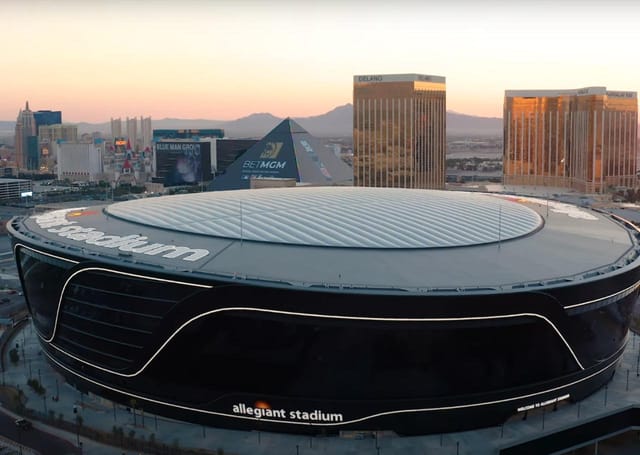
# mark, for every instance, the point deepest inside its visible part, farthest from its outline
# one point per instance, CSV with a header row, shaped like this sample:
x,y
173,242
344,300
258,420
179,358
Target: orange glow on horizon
x,y
226,60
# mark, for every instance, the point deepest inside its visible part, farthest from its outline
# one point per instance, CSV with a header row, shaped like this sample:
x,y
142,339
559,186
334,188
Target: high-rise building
x,y
80,161
116,128
147,132
47,118
585,139
49,135
25,129
52,133
132,131
399,129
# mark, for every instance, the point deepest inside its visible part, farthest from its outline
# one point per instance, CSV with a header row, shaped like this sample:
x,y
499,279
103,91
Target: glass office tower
x,y
584,139
399,131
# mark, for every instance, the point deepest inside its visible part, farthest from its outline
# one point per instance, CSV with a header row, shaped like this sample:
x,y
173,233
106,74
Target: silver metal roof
x,y
572,244
338,217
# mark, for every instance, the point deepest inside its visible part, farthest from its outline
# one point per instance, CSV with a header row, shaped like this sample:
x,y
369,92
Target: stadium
x,y
322,309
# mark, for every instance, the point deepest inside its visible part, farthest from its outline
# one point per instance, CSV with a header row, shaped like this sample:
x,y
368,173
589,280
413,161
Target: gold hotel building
x,y
399,131
585,139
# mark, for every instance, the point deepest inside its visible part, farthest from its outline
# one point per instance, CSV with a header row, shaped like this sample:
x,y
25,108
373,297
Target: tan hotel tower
x,y
399,131
585,139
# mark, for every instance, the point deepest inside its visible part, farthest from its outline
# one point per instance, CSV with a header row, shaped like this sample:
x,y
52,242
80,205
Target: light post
x,y
133,403
78,424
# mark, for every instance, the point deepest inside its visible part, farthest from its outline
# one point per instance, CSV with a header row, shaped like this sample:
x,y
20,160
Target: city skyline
x,y
224,60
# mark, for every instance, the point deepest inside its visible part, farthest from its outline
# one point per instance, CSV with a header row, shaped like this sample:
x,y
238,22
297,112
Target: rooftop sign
x,y
398,78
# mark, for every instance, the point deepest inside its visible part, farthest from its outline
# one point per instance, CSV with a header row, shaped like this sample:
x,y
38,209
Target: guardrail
x,y
576,436
6,442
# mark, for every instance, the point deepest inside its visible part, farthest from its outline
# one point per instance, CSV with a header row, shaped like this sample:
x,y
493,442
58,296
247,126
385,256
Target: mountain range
x,y
336,123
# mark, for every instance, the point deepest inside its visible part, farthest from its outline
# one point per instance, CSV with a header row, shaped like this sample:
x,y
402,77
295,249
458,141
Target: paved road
x,y
7,212
44,443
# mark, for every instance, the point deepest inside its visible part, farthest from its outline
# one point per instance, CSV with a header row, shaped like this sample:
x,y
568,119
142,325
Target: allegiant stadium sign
x,y
57,222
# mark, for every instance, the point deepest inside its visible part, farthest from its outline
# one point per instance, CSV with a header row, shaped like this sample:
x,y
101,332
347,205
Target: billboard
x,y
183,163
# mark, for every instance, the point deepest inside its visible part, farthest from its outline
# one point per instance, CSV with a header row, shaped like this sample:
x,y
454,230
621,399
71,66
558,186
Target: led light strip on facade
x,y
49,340
314,315
613,297
286,313
346,422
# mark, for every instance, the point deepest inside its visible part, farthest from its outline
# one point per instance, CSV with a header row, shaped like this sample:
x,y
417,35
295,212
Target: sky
x,y
222,60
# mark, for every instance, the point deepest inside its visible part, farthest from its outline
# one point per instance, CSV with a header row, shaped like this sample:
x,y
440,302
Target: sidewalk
x,y
88,446
15,447
104,415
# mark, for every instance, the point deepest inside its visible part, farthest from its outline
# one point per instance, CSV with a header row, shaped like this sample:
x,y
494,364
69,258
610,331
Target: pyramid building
x,y
286,152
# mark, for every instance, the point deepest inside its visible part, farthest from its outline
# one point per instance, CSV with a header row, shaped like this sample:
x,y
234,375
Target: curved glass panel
x,y
599,333
108,319
42,279
319,358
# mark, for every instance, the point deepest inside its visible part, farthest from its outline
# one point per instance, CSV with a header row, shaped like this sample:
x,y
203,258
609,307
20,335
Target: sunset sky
x,y
226,59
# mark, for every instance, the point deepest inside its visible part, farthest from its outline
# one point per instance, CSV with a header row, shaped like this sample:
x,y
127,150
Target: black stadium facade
x,y
325,309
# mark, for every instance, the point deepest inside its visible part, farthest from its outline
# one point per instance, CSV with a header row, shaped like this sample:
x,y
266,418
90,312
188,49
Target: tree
x,y
133,403
14,356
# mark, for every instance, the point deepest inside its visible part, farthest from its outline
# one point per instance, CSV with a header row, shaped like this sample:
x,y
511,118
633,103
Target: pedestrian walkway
x,y
9,447
60,400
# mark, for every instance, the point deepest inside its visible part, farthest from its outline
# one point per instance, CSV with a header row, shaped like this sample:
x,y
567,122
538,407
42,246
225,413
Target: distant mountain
x,y
103,128
177,123
251,126
7,126
335,123
470,125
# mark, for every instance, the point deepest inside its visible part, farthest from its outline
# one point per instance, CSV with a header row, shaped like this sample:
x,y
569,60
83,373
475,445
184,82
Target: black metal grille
x,y
109,319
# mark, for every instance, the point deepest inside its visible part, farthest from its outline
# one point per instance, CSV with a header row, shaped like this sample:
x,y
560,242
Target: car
x,y
5,300
23,424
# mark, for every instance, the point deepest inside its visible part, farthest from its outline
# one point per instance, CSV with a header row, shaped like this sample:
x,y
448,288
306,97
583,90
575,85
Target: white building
x,y
79,160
